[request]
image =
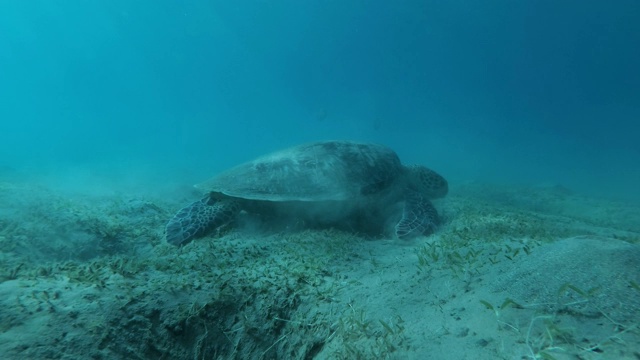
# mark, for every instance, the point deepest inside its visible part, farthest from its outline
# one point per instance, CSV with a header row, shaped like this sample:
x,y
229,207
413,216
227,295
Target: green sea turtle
x,y
345,184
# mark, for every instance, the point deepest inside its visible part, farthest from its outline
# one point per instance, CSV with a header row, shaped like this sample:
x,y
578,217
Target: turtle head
x,y
426,181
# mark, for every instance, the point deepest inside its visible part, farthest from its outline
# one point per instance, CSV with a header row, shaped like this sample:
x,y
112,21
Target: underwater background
x,y
152,93
111,110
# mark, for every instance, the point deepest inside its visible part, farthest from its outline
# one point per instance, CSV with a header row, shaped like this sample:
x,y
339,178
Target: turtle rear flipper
x,y
418,217
199,218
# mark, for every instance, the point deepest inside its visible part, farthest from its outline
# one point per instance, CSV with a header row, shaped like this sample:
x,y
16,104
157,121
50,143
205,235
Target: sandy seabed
x,y
513,273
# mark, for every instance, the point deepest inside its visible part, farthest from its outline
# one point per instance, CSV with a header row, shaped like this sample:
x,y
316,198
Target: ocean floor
x,y
514,273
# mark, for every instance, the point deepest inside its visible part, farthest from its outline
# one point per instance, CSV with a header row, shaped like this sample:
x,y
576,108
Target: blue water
x,y
499,91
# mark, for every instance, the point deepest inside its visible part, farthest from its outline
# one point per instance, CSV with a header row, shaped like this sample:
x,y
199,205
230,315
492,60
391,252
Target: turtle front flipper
x,y
418,217
199,218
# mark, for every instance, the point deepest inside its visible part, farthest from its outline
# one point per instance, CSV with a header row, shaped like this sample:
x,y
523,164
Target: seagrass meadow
x,y
513,273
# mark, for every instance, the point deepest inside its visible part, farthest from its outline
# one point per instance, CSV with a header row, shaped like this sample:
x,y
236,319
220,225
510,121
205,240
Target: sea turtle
x,y
345,184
